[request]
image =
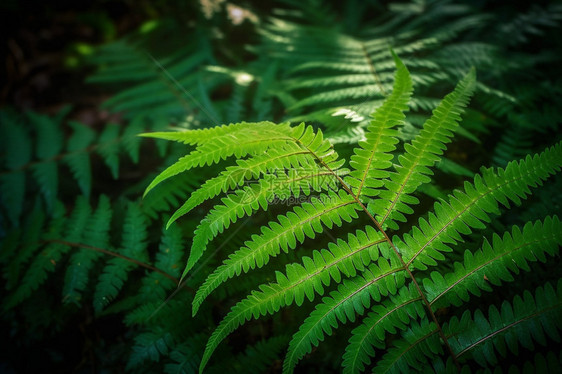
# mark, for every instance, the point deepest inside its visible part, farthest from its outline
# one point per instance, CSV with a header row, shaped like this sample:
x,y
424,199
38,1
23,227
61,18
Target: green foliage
x,y
42,159
338,223
378,265
155,84
339,76
526,319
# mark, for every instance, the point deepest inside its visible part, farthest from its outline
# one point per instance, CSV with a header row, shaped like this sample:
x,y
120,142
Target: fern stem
x,y
404,265
372,68
115,254
411,275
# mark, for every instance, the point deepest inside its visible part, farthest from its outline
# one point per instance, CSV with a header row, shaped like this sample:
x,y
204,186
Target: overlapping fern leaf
x,y
375,270
339,78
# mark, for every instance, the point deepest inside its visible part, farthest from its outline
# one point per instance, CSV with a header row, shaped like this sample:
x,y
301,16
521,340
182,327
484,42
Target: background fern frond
x,y
528,319
95,234
156,77
43,262
133,245
418,345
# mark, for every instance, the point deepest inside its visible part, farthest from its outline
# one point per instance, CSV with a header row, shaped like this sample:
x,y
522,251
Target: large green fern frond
x,y
369,266
240,140
353,297
273,161
303,221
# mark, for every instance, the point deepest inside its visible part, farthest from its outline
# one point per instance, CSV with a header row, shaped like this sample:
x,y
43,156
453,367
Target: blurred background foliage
x,y
82,79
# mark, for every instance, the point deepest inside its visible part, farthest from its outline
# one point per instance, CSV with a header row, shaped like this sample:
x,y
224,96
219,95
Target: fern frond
x,y
495,262
353,295
469,209
368,266
342,257
421,154
393,314
371,160
154,85
116,270
185,356
523,321
205,136
42,159
286,157
44,262
109,148
346,71
529,318
17,152
521,27
49,144
150,345
255,359
419,344
130,142
168,259
240,141
12,195
96,234
352,298
244,202
303,221
169,193
77,158
549,363
22,244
